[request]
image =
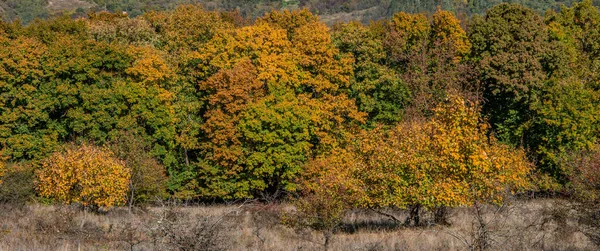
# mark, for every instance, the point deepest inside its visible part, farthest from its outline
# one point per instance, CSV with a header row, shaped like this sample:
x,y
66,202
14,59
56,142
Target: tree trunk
x,y
328,235
441,216
414,216
131,196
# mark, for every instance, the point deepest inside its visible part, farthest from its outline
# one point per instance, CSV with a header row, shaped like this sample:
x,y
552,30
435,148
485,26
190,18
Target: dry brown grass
x,y
542,224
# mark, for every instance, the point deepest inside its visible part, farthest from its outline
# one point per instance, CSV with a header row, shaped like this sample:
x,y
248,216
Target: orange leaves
x,y
448,160
232,90
268,48
272,101
463,152
84,174
290,21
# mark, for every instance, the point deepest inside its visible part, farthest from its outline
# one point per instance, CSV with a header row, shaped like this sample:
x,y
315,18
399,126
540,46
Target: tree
x,y
429,56
274,101
378,89
447,33
566,120
326,193
408,35
515,58
578,29
23,107
84,174
182,33
537,80
447,161
581,169
148,180
120,28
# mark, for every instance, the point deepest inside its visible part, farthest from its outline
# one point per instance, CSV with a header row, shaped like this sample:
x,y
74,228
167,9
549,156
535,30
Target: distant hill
x,y
331,11
60,5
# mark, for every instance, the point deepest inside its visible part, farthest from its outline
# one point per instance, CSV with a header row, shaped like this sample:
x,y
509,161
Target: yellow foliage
x,y
448,160
446,30
273,88
84,174
149,64
409,32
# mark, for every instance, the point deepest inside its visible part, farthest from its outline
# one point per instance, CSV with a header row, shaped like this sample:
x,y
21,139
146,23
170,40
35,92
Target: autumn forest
x,y
418,112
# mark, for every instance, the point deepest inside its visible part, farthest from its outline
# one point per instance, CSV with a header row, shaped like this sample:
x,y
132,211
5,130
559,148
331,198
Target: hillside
x,y
59,5
331,11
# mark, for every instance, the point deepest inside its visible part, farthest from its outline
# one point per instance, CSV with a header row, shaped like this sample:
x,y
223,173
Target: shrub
x,y
326,196
320,211
16,184
582,169
148,177
84,174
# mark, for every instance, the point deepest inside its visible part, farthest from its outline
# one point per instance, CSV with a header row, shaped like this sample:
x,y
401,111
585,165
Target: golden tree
x,y
447,161
84,174
447,31
275,99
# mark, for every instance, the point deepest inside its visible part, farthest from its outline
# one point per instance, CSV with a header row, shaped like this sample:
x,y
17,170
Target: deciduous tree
x,y
274,101
447,161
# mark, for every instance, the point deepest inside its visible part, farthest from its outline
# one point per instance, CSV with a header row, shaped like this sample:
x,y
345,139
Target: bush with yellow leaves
x,y
84,174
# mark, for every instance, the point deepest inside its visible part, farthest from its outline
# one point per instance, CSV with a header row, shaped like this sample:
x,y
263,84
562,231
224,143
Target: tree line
x,y
419,111
28,10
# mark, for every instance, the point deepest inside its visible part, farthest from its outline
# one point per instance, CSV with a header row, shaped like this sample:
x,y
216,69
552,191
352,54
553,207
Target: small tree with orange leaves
x,y
84,174
447,161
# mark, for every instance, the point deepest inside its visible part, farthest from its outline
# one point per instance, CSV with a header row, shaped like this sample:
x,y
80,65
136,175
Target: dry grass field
x,y
541,224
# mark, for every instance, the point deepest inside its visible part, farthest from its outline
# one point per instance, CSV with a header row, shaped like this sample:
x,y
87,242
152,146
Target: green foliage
x,y
67,86
568,119
148,178
578,29
17,183
273,103
511,47
378,89
224,107
538,80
